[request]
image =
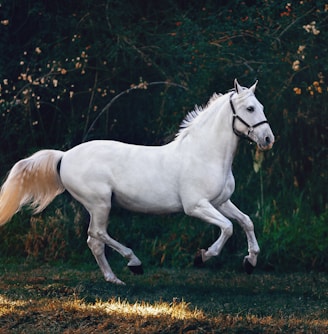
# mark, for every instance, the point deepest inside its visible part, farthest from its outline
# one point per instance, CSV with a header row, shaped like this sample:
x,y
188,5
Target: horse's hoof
x,y
114,280
198,260
137,270
248,267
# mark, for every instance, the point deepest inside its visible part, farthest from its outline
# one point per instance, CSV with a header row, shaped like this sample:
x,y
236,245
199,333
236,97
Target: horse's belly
x,y
150,203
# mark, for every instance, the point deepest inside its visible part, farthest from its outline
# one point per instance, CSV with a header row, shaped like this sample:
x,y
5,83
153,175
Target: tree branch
x,y
141,85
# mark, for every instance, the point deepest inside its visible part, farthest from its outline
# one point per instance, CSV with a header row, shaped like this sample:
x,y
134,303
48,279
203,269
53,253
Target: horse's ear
x,y
238,88
254,86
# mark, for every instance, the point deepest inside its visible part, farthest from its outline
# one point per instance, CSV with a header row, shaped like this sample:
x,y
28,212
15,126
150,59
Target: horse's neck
x,y
215,137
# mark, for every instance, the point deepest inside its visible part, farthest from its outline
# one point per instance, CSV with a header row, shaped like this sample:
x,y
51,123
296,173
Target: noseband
x,y
250,127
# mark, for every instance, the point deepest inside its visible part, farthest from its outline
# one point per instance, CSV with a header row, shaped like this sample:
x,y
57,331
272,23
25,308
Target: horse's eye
x,y
250,109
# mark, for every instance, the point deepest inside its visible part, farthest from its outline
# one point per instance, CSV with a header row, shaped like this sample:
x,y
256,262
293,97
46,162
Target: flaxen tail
x,y
34,181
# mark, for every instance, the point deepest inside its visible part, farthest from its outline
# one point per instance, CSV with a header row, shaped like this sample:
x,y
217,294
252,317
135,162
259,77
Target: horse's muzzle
x,y
266,143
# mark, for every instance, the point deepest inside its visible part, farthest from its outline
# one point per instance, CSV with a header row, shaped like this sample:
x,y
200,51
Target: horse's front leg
x,y
205,211
230,210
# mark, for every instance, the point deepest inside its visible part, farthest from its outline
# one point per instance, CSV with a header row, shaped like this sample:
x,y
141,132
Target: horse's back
x,y
142,178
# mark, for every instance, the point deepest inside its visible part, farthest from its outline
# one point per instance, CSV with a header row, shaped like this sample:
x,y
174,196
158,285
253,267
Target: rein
x,y
250,127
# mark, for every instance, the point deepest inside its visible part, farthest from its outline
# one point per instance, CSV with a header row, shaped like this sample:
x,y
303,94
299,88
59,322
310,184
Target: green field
x,y
63,298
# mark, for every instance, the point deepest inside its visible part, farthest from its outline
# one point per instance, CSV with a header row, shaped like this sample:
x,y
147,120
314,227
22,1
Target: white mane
x,y
195,114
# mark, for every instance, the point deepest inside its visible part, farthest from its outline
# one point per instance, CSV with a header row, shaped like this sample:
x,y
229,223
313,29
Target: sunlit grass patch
x,y
174,310
57,315
8,306
70,314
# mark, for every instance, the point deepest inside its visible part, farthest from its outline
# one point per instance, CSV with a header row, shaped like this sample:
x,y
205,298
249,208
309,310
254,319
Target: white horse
x,y
191,174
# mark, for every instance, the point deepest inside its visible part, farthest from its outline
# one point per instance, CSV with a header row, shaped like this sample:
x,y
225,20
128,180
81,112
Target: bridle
x,y
250,127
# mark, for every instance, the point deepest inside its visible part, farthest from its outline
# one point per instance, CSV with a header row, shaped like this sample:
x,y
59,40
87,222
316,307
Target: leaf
x,y
257,161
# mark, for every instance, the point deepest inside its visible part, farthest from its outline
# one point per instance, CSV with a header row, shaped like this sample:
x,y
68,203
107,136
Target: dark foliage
x,y
62,62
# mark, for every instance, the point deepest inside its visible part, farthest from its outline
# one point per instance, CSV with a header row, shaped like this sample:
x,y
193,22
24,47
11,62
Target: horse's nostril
x,y
268,140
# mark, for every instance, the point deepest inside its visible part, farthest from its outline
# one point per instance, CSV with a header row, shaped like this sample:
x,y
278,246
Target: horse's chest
x,y
224,189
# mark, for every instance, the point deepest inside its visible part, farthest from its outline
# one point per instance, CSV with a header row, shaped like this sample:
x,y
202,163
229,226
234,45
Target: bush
x,y
297,240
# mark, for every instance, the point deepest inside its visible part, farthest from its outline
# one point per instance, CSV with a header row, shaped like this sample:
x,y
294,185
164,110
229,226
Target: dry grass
x,y
115,316
64,300
66,316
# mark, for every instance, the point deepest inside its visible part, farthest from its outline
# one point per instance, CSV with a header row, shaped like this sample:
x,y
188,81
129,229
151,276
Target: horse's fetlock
x,y
210,253
128,253
256,251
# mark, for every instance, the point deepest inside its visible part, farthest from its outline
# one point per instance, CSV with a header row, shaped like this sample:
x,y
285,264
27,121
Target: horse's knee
x,y
248,224
227,229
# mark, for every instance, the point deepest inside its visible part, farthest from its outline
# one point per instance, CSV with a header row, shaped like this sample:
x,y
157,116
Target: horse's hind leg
x,y
98,236
98,250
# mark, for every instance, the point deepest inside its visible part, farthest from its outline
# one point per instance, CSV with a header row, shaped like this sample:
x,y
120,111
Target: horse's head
x,y
249,120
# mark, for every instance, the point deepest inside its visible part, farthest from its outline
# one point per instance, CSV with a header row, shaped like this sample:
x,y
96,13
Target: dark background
x,y
62,62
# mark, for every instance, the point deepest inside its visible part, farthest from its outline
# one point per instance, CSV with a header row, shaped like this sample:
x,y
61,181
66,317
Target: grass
x,y
61,298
